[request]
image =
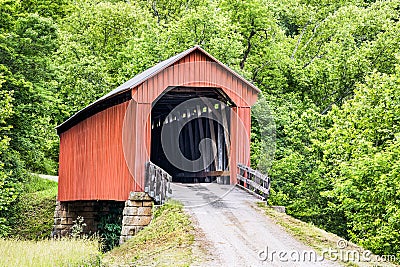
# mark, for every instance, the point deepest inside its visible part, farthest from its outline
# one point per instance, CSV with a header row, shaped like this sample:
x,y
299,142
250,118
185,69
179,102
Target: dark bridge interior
x,y
194,129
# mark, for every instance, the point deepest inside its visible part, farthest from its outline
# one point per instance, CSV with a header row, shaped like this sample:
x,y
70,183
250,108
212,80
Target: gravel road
x,y
235,233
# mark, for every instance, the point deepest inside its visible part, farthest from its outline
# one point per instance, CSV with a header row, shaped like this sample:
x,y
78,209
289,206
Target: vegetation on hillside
x,y
329,72
32,217
167,241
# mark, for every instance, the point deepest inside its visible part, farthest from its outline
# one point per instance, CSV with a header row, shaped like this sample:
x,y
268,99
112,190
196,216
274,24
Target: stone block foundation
x,y
136,214
67,212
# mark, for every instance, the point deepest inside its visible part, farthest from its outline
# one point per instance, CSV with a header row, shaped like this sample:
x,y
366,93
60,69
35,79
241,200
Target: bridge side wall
x,y
92,160
136,213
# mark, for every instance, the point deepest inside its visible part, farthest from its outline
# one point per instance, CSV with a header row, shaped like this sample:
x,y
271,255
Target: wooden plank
x,y
203,174
180,148
253,184
255,181
225,127
254,172
214,149
191,138
200,131
207,167
220,148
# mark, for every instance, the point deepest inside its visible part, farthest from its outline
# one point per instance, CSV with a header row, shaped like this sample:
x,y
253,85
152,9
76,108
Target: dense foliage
x,y
329,72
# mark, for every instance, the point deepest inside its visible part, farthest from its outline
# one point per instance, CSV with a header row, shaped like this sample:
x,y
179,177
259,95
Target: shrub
x,y
110,228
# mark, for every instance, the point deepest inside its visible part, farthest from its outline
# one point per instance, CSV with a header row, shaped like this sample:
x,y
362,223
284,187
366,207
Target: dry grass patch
x,y
64,252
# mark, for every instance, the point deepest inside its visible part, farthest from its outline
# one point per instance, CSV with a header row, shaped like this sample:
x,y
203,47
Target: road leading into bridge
x,y
235,233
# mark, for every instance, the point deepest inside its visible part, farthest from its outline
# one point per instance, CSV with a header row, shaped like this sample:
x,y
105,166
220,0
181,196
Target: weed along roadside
x,y
327,245
166,241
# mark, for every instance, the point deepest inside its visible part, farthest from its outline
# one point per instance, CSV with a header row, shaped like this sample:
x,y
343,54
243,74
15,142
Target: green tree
x,y
92,58
7,189
55,9
29,47
362,156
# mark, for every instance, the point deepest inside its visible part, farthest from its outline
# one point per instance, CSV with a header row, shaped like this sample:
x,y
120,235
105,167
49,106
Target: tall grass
x,y
64,252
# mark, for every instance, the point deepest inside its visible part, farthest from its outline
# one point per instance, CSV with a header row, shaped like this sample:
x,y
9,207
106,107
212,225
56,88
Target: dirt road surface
x,y
235,233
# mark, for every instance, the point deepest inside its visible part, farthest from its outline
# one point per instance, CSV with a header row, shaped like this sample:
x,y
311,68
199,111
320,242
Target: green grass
x,y
167,241
317,238
65,252
35,184
33,214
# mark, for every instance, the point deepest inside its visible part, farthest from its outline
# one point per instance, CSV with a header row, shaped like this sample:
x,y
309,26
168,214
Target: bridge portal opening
x,y
195,144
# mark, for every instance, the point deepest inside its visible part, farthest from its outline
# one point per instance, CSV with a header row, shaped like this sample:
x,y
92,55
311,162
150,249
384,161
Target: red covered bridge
x,y
104,147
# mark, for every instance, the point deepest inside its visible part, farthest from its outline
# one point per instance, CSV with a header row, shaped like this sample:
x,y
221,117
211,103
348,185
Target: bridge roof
x,y
101,103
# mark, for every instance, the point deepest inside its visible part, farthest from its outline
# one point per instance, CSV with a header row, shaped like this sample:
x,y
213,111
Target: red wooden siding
x,y
240,139
92,163
195,71
103,156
